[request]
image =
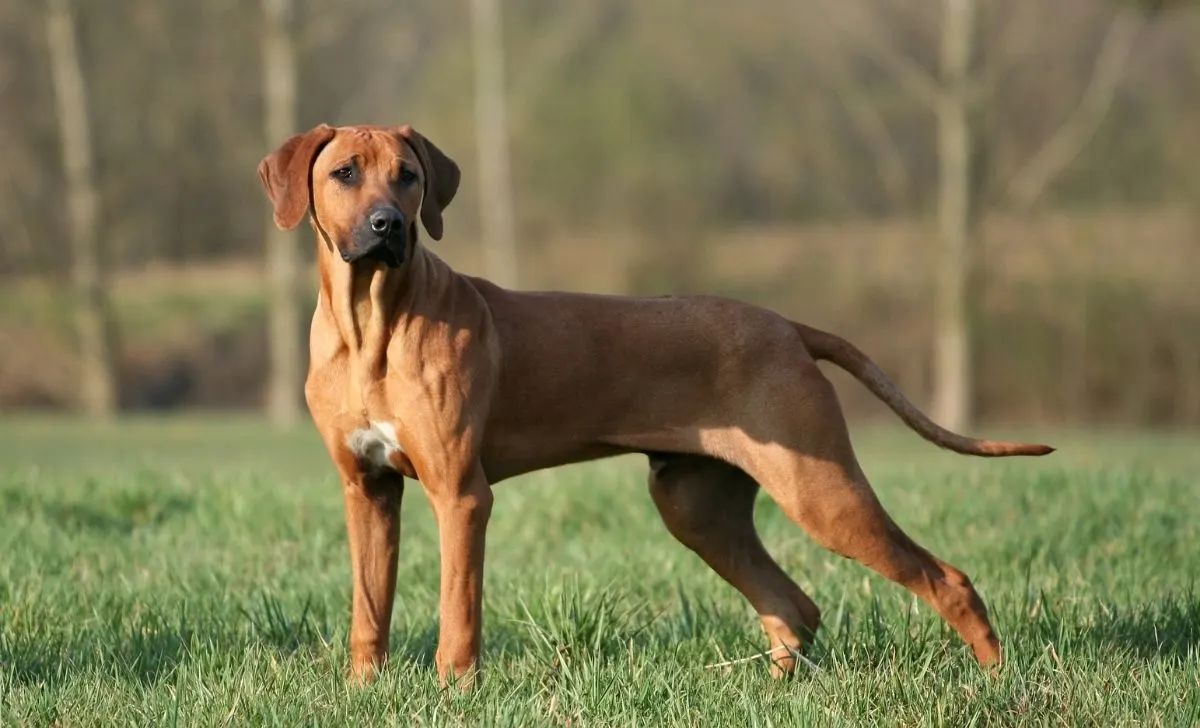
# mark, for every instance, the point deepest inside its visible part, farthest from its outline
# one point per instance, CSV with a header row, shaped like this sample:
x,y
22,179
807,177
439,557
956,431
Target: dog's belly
x,y
505,457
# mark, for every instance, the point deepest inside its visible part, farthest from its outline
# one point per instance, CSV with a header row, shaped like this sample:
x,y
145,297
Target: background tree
x,y
93,323
282,258
958,212
497,234
959,94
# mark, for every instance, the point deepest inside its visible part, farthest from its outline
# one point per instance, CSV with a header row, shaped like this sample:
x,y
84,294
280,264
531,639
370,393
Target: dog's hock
x,y
375,445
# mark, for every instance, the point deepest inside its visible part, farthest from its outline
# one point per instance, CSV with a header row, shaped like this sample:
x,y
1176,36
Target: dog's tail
x,y
832,348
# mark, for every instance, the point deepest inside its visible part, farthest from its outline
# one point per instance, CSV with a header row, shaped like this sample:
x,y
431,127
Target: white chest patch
x,y
375,445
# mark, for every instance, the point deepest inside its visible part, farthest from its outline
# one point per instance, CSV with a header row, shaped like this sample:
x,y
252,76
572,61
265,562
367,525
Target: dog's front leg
x,y
462,503
373,524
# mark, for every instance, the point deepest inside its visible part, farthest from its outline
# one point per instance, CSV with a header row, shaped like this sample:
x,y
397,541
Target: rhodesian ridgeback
x,y
418,371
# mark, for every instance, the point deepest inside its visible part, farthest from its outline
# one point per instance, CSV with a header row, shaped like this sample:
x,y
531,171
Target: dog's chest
x,y
376,445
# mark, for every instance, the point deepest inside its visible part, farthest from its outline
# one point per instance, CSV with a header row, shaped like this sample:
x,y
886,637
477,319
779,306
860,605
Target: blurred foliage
x,y
651,140
625,115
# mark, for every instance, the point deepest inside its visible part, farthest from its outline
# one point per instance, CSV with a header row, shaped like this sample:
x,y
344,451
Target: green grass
x,y
195,572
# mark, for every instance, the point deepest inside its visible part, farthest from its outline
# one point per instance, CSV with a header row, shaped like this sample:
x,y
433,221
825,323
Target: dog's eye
x,y
345,174
407,177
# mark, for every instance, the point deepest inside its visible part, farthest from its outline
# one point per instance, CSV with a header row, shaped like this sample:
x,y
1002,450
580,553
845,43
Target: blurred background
x,y
997,199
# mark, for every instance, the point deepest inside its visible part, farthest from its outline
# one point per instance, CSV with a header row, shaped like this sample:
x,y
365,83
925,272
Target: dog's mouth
x,y
385,253
389,252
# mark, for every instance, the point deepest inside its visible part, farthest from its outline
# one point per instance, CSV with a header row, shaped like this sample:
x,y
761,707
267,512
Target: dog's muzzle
x,y
381,239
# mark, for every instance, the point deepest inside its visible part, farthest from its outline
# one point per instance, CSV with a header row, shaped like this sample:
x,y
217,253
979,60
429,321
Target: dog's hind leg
x,y
803,458
708,506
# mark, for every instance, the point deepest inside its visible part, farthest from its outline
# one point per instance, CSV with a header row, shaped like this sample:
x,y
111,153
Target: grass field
x,y
195,572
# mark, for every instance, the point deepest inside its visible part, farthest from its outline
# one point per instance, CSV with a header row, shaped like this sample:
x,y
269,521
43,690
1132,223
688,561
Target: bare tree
x,y
957,214
491,134
955,95
282,259
90,305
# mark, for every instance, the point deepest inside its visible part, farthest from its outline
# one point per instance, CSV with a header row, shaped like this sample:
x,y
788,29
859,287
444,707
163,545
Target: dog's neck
x,y
369,302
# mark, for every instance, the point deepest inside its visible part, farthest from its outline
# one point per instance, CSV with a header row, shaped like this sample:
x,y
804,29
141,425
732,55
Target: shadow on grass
x,y
135,644
132,643
141,656
119,513
574,625
416,647
1164,629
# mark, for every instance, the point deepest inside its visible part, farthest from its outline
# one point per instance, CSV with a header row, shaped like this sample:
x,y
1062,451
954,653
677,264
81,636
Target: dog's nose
x,y
386,221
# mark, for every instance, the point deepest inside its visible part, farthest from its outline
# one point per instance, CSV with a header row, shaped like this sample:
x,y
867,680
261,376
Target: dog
x,y
417,371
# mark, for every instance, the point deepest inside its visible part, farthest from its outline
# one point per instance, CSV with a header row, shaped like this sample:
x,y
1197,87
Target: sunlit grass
x,y
195,572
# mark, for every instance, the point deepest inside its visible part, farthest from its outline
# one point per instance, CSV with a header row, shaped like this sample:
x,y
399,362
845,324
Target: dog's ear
x,y
286,174
441,179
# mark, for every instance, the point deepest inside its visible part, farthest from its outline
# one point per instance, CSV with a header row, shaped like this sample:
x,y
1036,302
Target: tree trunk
x,y
282,259
1188,348
957,217
491,134
92,312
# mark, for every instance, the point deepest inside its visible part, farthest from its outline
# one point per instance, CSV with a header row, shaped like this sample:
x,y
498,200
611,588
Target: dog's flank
x,y
832,348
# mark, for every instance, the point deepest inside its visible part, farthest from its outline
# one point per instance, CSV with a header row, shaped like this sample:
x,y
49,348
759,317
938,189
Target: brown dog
x,y
419,371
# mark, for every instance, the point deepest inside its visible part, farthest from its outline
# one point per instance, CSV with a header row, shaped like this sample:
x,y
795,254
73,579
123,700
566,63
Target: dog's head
x,y
365,187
